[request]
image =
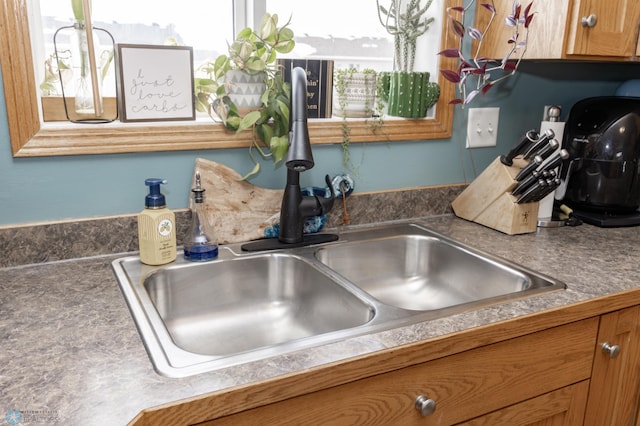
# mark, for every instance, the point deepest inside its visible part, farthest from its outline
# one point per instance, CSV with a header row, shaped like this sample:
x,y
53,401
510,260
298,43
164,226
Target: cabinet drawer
x,y
463,386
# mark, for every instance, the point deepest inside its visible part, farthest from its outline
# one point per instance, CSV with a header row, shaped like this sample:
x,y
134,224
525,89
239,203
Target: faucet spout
x,y
296,207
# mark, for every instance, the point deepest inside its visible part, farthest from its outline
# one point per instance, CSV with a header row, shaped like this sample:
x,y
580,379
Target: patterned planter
x,y
245,90
354,94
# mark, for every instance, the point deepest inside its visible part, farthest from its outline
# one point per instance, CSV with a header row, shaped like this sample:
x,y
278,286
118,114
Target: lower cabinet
x,y
538,377
615,381
582,373
563,407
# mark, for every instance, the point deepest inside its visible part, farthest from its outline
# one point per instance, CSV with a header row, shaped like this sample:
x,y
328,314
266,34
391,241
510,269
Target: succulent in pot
x,y
408,93
252,56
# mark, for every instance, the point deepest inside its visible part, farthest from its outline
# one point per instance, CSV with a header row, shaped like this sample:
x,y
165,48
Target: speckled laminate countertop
x,y
71,352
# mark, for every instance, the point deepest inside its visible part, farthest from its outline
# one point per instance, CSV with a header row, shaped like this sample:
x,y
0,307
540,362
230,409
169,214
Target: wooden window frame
x,y
29,137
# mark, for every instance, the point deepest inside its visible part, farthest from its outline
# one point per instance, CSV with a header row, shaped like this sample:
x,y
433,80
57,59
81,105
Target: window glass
x,y
350,32
204,25
347,31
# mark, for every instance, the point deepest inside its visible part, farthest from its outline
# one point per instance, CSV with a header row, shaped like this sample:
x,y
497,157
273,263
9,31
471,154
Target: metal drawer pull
x,y
590,21
612,350
425,405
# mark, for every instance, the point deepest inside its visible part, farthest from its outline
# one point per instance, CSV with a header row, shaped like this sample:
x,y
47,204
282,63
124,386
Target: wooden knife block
x,y
488,201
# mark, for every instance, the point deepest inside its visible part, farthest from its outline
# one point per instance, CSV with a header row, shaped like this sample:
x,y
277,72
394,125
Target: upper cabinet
x,y
565,29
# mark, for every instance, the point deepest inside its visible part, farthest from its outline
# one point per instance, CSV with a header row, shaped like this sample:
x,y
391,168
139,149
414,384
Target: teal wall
x,y
56,188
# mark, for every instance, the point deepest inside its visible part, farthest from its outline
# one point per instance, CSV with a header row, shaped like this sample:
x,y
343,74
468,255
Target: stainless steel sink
x,y
228,307
198,317
421,272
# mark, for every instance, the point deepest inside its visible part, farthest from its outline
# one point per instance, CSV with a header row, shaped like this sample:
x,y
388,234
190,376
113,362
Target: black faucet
x,y
295,206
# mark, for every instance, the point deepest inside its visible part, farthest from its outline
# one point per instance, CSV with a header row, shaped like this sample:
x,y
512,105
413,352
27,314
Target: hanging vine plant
x,y
475,74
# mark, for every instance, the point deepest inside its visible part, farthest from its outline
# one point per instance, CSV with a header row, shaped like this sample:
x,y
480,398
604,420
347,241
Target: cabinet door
x,y
462,386
615,381
564,407
609,28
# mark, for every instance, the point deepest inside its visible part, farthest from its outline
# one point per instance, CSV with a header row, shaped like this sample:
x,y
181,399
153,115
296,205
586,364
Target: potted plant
x,y
476,74
408,93
252,53
356,96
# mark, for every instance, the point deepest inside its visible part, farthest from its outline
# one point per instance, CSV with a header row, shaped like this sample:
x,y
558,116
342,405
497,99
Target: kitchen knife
x,y
542,141
552,184
526,183
529,168
530,193
554,161
547,149
528,138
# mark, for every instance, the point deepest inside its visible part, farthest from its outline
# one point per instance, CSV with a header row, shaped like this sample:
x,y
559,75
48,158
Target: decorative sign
x,y
155,83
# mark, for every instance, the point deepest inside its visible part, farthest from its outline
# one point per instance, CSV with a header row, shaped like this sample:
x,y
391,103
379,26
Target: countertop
x,y
71,353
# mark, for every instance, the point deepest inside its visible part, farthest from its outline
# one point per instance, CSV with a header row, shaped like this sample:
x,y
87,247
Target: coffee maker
x,y
600,180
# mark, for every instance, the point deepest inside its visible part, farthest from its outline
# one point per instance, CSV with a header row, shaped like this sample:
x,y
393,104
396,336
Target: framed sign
x,y
155,83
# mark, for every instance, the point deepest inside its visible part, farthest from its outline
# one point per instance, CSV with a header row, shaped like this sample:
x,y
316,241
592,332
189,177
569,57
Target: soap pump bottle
x,y
156,227
199,244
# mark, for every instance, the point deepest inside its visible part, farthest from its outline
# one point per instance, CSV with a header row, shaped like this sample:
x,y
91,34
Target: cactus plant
x,y
408,93
405,22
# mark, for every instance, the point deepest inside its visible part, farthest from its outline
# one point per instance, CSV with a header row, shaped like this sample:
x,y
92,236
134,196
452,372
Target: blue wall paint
x,y
55,188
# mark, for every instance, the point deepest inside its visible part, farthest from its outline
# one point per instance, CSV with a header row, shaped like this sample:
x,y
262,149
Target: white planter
x,y
359,95
245,90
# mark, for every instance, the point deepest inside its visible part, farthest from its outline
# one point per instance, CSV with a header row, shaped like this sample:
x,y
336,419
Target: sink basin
x,y
198,317
421,272
223,308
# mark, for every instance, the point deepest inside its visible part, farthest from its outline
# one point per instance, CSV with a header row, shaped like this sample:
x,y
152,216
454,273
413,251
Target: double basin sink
x,y
198,317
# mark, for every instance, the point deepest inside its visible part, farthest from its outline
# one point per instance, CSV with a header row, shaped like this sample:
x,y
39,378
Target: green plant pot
x,y
408,94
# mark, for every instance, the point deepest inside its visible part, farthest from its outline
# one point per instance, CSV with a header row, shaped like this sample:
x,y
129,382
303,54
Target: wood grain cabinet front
x,y
568,29
615,381
536,370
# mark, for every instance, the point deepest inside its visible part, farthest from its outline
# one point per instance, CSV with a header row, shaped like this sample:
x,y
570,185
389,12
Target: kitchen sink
x,y
198,317
421,272
227,307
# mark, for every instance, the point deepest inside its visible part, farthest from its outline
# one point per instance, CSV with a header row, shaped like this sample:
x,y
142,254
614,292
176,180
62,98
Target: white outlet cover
x,y
482,127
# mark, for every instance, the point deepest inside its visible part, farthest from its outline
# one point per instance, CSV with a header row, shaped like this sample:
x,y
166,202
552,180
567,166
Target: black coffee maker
x,y
601,178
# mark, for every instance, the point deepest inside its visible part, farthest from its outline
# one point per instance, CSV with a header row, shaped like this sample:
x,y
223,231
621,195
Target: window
x,y
31,137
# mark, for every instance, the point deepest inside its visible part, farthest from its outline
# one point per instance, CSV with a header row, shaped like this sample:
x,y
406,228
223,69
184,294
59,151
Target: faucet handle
x,y
326,203
327,179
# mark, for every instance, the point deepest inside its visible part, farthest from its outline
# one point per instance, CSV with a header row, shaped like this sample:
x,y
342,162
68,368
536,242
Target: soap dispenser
x,y
199,244
156,227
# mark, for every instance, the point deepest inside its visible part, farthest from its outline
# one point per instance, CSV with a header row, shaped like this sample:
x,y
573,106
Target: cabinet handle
x,y
425,405
590,21
612,350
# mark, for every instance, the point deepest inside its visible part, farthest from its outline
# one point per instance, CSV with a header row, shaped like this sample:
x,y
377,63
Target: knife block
x,y
488,201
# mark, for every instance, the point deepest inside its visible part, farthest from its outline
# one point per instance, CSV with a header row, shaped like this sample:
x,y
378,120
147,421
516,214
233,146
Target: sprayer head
x,y
299,157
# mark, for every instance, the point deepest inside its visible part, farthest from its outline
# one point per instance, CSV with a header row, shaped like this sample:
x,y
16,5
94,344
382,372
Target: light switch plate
x,y
482,127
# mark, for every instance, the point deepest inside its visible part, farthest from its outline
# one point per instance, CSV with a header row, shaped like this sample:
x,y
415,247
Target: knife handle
x,y
542,140
526,170
529,137
548,149
526,183
530,193
553,161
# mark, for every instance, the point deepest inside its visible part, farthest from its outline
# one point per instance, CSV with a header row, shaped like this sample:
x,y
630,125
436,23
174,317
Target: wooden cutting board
x,y
237,210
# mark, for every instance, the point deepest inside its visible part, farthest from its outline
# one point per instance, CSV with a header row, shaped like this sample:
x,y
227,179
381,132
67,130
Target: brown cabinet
x,y
615,381
568,29
584,372
535,371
